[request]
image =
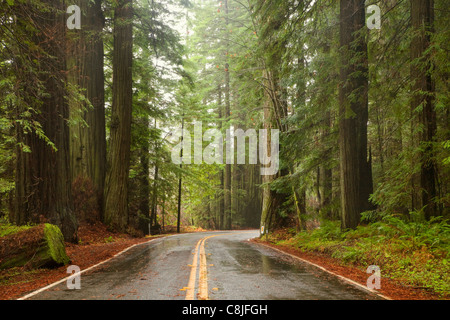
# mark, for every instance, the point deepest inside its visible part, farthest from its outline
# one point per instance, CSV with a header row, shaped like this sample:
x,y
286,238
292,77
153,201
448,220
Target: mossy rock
x,y
40,246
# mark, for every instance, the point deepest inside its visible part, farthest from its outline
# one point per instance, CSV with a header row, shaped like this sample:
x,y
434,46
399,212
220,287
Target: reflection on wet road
x,y
210,265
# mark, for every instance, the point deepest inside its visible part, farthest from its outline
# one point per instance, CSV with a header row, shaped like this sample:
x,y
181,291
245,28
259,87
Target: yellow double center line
x,y
203,272
200,255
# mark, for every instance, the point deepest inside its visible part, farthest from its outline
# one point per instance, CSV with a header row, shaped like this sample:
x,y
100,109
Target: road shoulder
x,y
389,288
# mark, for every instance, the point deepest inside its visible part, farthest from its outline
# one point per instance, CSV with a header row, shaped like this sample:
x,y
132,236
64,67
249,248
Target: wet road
x,y
211,265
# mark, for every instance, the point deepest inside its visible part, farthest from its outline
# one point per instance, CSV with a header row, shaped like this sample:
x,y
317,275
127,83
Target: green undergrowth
x,y
412,251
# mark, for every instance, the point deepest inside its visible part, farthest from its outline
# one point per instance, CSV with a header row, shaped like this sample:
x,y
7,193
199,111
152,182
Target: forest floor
x,y
96,244
390,288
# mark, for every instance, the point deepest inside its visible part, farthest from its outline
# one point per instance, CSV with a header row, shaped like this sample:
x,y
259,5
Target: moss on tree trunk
x,y
40,246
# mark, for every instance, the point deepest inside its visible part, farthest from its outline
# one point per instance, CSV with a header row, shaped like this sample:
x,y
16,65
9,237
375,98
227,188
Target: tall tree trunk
x,y
221,205
180,180
300,207
267,211
85,66
163,212
43,183
153,220
272,200
327,173
144,180
179,204
356,183
252,206
116,184
227,174
422,20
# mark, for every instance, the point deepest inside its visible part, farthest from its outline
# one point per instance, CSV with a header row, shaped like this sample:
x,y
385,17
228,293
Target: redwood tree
x,y
355,170
116,184
43,182
227,172
87,131
423,88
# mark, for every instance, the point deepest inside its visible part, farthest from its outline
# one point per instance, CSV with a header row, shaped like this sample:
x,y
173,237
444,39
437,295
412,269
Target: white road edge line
x,y
85,270
328,271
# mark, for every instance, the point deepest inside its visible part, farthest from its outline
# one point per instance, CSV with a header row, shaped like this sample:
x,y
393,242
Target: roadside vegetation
x,y
408,249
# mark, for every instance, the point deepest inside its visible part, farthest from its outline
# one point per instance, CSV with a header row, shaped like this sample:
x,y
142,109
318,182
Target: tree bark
x,y
356,183
221,205
180,180
116,184
326,174
272,200
327,193
85,66
422,20
227,173
43,182
144,180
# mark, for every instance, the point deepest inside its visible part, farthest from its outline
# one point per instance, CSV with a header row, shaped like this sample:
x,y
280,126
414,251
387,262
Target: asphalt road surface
x,y
205,266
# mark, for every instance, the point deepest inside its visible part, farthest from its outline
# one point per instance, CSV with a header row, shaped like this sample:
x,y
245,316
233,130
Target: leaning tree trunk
x,y
116,184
